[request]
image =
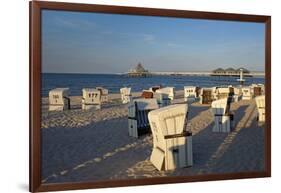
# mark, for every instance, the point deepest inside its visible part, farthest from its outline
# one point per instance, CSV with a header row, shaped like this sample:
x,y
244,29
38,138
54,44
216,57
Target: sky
x,y
77,42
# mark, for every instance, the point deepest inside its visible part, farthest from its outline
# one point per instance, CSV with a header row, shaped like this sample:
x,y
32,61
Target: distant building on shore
x,y
230,72
138,71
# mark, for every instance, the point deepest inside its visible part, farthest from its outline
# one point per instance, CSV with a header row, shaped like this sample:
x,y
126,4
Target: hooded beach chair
x,y
222,117
246,93
58,99
260,102
137,116
172,143
207,95
170,91
126,95
262,88
103,94
91,98
237,94
162,99
190,92
256,90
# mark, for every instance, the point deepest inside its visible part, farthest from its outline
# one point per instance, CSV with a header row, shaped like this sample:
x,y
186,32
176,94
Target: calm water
x,y
75,82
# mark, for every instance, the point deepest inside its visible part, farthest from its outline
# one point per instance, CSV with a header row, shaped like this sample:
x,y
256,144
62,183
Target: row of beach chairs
x,y
91,98
172,140
94,97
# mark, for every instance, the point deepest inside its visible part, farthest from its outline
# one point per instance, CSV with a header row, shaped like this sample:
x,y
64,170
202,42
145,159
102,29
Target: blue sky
x,y
74,42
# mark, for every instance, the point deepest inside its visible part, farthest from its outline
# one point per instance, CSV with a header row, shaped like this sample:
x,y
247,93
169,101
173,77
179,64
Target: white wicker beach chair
x,y
167,90
190,92
104,94
91,98
172,144
260,102
58,99
126,95
137,116
237,94
246,93
222,117
162,99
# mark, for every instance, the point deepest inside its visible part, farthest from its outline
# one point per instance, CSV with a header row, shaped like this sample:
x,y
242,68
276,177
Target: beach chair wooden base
x,y
57,108
260,102
60,107
175,156
138,110
190,100
236,98
223,123
104,98
261,116
90,106
135,130
126,99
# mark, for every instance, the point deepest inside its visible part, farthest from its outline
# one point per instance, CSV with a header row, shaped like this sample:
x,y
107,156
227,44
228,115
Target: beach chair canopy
x,y
146,104
167,90
223,90
169,120
190,91
60,91
57,95
91,95
104,91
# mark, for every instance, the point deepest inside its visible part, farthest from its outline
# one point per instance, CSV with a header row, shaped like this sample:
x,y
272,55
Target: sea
x,y
113,82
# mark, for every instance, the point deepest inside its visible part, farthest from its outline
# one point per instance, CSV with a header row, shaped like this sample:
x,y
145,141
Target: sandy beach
x,y
93,145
